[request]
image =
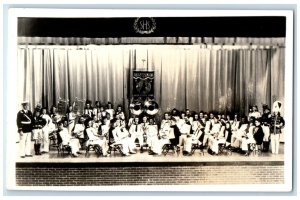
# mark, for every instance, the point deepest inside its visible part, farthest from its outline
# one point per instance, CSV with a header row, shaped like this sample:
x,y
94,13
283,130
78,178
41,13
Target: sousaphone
x,y
151,107
136,108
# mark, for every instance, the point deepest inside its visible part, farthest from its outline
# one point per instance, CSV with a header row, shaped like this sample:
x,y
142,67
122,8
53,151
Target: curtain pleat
x,y
222,78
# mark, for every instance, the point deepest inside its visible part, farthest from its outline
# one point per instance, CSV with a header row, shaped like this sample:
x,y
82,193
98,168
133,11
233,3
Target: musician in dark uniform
x,y
38,123
265,121
25,123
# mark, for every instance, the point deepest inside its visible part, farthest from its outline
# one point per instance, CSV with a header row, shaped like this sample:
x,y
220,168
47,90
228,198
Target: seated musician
x,y
151,133
96,123
239,134
145,127
79,129
121,118
67,139
121,136
104,128
184,127
136,132
94,138
255,130
216,135
193,138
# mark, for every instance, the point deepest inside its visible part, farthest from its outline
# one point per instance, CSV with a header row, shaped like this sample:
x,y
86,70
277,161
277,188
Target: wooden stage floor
x,y
53,157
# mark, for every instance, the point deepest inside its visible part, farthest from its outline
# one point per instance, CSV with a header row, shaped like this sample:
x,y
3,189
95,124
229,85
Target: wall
x,y
97,174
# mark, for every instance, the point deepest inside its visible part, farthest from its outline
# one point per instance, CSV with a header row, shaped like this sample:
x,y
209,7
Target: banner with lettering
x,y
143,84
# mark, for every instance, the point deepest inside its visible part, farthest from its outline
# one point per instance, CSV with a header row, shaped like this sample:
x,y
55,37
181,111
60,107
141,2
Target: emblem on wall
x,y
144,25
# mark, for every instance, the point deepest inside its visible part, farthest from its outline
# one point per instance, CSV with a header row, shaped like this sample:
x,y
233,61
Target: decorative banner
x,y
143,84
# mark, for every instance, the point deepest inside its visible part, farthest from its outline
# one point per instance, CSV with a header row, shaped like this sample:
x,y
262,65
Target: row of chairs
x,y
62,150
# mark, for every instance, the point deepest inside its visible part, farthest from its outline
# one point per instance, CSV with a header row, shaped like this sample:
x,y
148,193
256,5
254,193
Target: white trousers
x,y
75,145
182,140
275,143
140,137
266,131
127,145
158,145
45,141
102,143
25,144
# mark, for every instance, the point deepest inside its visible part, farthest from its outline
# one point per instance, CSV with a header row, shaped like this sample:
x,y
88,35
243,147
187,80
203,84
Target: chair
x,y
195,147
115,147
53,140
167,147
256,149
61,149
95,148
223,150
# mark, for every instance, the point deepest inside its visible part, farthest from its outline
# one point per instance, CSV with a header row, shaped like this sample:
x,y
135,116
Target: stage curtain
x,y
222,78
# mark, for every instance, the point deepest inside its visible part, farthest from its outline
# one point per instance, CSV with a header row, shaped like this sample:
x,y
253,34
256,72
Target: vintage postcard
x,y
149,100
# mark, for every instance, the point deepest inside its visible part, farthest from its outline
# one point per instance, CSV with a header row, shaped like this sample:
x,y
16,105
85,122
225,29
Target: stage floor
x,y
53,157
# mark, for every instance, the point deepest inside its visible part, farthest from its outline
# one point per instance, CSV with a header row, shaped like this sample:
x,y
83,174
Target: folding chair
x,y
197,146
223,150
95,148
167,147
116,147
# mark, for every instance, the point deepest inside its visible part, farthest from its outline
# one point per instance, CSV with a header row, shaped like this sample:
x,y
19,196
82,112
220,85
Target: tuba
x,y
136,108
151,107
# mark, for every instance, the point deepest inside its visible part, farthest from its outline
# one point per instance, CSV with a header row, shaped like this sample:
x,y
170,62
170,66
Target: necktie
x,y
136,128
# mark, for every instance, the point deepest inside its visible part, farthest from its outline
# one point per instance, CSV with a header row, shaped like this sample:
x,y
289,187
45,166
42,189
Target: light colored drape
x,y
199,77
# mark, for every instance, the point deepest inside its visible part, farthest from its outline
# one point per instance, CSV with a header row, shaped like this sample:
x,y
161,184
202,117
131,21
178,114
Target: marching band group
x,y
104,127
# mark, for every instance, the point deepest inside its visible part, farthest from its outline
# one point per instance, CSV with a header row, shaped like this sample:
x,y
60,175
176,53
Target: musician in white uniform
x,y
67,139
46,130
121,136
136,132
94,138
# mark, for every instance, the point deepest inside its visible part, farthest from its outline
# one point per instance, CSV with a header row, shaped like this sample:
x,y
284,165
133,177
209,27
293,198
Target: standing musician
x,y
265,120
88,110
38,124
46,131
25,123
71,116
276,124
110,110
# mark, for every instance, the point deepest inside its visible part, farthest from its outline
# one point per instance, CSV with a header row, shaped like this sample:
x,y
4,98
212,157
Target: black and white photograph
x,y
150,99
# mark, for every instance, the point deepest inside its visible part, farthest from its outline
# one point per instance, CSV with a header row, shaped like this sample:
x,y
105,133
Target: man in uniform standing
x,y
25,123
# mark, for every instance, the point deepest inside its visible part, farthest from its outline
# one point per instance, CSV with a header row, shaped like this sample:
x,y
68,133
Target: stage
x,y
52,169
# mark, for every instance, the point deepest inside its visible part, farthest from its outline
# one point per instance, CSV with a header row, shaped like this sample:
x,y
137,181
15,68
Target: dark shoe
x,y
22,156
78,152
28,155
132,152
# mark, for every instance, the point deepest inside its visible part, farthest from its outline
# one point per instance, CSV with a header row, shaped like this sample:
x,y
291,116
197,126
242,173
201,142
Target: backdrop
x,y
219,78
